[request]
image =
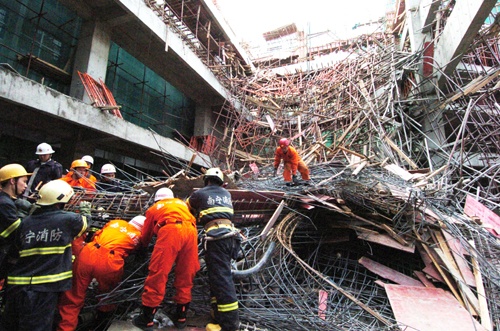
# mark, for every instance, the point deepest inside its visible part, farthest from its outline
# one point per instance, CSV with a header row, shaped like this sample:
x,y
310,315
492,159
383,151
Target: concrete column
x,y
203,122
91,57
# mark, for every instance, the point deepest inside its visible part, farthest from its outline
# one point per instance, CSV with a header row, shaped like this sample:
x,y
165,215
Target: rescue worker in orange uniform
x,y
177,242
90,162
214,208
292,162
103,259
77,177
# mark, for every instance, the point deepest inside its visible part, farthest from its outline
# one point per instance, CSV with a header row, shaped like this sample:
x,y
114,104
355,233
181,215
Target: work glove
x,y
23,208
295,180
85,207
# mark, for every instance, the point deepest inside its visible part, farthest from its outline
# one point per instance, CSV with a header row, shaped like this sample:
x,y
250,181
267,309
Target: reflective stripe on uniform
x,y
84,228
43,250
216,210
228,307
5,233
220,226
23,280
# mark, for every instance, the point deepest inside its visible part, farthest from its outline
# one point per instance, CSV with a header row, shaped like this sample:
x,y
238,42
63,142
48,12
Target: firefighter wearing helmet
x,y
13,180
109,182
103,258
44,168
292,162
170,220
78,176
214,209
44,267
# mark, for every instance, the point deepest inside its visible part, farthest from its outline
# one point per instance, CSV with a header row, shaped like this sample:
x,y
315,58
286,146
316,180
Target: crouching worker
x,y
177,242
292,163
43,270
103,259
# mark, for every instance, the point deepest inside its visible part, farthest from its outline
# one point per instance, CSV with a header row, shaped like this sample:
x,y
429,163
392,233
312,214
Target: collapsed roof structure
x,y
399,228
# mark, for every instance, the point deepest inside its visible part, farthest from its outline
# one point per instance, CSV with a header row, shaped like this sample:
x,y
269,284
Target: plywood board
x,y
429,309
383,239
489,219
388,273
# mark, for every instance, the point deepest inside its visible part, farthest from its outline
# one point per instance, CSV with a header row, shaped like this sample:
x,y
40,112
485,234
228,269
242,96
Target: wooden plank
x,y
383,239
428,309
458,252
421,276
388,273
483,304
466,291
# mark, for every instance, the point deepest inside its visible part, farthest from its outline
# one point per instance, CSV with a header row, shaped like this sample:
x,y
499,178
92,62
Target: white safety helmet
x,y
44,149
164,193
138,222
88,159
214,173
108,169
55,191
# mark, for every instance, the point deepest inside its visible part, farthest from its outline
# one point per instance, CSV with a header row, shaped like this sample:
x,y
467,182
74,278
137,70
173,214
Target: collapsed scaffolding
x,y
392,165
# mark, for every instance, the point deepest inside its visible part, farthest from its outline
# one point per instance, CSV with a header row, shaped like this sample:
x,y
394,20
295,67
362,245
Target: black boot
x,y
144,320
180,315
102,320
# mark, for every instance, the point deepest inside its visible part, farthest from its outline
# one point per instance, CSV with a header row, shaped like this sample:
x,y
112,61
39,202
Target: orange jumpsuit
x,y
292,162
83,182
102,259
177,242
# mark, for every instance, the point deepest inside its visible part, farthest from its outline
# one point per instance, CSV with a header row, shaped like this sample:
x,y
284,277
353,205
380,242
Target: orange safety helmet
x,y
79,164
284,142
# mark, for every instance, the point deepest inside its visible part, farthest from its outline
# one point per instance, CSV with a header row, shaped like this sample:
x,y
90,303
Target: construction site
x,y
399,226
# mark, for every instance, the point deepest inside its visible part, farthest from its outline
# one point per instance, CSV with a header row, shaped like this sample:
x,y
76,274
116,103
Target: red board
x,y
429,309
489,219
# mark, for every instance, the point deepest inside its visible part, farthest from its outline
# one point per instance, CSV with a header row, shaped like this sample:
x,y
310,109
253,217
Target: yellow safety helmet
x,y
12,170
55,191
79,164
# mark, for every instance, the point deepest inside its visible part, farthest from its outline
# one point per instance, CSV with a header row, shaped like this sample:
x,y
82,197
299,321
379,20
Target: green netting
x,y
146,98
44,29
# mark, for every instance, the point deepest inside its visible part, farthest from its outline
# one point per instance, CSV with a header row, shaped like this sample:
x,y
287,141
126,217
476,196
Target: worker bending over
x,y
214,208
103,259
291,162
177,242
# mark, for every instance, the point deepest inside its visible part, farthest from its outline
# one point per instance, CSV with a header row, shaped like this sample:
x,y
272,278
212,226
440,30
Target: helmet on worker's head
x,y
214,174
79,164
138,222
108,168
163,193
55,191
88,159
284,142
12,170
44,149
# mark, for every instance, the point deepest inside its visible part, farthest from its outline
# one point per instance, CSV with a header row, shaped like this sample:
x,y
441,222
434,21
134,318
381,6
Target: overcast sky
x,y
251,18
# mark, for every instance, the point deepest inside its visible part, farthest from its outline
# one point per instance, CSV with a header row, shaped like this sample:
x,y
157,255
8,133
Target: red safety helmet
x,y
284,142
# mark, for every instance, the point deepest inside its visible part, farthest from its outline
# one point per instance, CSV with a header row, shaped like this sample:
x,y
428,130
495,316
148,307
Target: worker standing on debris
x,y
44,169
13,180
214,209
103,259
43,270
77,176
90,162
177,242
292,162
108,181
